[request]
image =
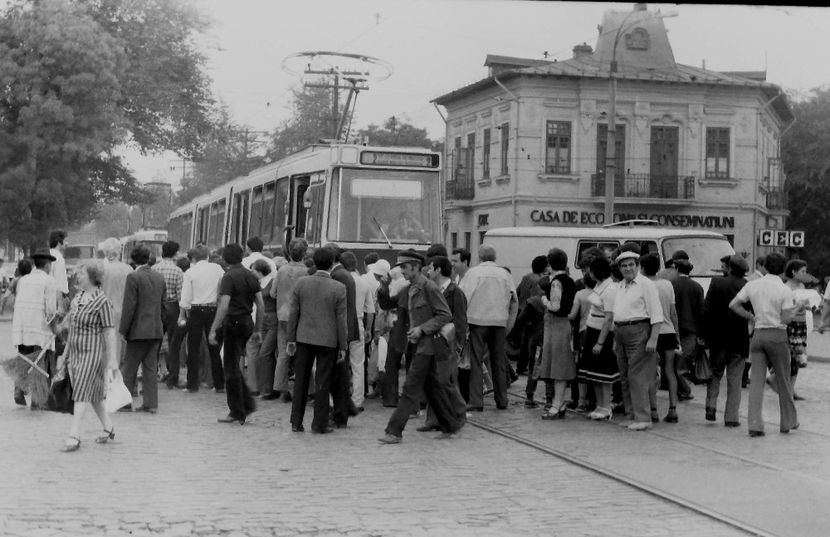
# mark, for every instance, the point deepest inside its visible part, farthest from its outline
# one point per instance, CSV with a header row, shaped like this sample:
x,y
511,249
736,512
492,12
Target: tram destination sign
x,y
384,158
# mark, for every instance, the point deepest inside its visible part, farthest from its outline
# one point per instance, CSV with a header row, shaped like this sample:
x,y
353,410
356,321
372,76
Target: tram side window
x,y
202,226
267,228
187,230
299,231
256,213
280,210
212,225
315,213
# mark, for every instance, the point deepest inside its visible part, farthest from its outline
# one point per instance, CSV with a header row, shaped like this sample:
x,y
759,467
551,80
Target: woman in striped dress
x,y
90,352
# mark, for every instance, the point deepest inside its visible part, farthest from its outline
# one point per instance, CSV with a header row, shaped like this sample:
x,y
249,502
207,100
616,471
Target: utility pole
x,y
357,81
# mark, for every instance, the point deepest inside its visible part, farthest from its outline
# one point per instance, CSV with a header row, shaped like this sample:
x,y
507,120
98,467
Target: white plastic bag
x,y
118,395
380,349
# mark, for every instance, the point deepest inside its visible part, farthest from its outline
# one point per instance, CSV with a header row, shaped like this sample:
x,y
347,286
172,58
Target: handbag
x,y
118,395
60,396
703,369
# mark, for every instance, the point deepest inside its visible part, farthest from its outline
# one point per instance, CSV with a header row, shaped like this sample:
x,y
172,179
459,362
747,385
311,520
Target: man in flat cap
x,y
428,313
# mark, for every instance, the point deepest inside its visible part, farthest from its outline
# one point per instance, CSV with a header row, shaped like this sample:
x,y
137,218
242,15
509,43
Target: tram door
x,y
297,214
239,233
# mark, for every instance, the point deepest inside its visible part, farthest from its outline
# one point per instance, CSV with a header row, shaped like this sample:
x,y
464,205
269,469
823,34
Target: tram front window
x,y
373,205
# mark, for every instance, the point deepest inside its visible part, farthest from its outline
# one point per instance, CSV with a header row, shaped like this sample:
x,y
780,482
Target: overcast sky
x,y
437,46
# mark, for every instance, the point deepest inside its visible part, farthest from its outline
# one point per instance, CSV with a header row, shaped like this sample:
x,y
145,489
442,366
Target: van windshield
x,y
704,252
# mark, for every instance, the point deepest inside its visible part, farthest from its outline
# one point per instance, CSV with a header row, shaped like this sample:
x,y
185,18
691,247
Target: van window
x,y
606,246
704,252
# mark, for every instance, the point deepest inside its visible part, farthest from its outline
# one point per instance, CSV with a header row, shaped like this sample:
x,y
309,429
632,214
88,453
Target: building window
x,y
458,165
468,236
717,153
481,237
471,156
505,145
558,151
454,239
485,155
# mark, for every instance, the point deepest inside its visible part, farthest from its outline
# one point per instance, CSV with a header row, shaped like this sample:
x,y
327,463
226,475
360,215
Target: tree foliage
x,y
397,132
311,121
805,151
77,80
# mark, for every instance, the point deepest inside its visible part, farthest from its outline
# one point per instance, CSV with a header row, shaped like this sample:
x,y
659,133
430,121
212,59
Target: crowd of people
x,y
249,321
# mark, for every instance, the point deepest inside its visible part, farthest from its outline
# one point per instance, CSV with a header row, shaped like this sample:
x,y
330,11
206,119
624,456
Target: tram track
x,y
651,490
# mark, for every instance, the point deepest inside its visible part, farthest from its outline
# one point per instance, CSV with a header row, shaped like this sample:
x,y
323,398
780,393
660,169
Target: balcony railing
x,y
460,190
644,185
776,198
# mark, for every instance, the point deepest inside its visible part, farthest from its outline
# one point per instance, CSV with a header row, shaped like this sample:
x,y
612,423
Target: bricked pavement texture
x,y
181,473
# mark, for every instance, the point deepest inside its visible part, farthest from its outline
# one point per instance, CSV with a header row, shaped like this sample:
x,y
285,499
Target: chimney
x,y
583,50
640,6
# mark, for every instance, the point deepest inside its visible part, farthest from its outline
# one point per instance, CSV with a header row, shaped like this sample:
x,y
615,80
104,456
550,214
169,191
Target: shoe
x,y
600,414
711,414
639,426
732,424
324,430
19,399
126,408
754,434
189,390
475,409
297,428
372,395
273,396
219,390
428,428
530,403
415,415
339,425
108,435
147,409
655,417
445,436
793,428
571,405
231,419
797,397
559,415
354,411
582,407
685,397
389,439
286,397
488,391
501,407
69,446
671,417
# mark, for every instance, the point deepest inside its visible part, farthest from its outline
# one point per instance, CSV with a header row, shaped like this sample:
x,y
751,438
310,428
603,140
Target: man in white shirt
x,y
200,290
638,316
57,245
254,250
774,306
364,306
460,260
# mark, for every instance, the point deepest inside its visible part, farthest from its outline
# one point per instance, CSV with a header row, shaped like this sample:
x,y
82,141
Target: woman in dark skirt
x,y
598,365
556,365
90,352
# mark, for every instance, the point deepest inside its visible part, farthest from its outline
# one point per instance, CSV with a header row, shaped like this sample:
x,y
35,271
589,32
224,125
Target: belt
x,y
633,321
203,306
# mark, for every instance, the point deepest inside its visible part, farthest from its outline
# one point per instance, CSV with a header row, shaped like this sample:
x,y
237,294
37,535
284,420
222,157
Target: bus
x,y
82,245
364,198
152,238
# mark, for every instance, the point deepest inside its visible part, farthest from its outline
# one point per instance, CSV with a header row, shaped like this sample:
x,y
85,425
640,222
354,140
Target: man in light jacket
x,y
492,307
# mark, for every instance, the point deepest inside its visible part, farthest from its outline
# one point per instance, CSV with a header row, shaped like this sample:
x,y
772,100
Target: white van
x,y
517,246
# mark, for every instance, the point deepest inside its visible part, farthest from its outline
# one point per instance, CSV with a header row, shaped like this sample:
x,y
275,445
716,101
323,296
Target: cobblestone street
x,y
181,473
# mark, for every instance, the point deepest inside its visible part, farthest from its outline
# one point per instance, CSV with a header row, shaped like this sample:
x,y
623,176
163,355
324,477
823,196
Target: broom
x,y
27,372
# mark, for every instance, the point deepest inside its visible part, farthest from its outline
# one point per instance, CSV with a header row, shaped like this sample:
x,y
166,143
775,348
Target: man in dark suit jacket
x,y
316,332
728,338
141,326
341,378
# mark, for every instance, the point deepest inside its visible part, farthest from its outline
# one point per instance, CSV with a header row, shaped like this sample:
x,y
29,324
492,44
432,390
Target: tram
x,y
152,238
363,198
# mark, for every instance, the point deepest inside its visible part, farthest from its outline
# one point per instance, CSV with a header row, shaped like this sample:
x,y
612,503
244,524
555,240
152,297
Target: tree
x,y
78,79
396,132
806,161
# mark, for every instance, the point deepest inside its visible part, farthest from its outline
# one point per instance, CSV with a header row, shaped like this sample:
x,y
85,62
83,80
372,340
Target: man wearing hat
x,y
727,335
637,319
428,313
287,276
35,305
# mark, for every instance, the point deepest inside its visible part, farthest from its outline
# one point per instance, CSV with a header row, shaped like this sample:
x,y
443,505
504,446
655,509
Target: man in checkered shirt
x,y
173,278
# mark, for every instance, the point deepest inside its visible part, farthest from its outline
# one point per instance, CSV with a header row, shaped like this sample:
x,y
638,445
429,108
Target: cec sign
x,y
781,239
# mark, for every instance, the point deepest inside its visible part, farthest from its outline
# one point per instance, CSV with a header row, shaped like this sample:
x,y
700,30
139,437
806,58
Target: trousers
x,y
237,329
357,359
305,358
490,339
733,364
638,368
198,325
175,334
283,360
143,352
266,360
769,348
424,378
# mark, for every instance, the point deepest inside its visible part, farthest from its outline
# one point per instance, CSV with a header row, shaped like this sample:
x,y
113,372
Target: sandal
x,y
68,447
108,435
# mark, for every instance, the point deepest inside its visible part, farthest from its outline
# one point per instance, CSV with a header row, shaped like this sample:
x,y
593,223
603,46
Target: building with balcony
x,y
695,148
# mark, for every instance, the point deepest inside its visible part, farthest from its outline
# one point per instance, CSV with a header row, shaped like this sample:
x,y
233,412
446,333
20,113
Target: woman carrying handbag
x,y
90,354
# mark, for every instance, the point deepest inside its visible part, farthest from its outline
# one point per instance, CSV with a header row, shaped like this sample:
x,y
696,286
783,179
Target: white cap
x,y
380,268
627,255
